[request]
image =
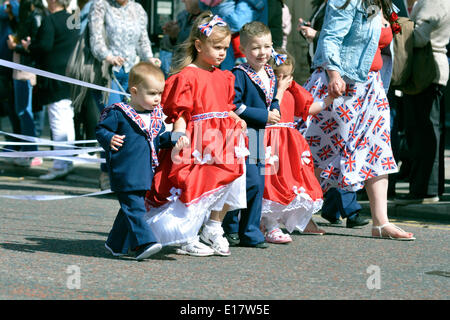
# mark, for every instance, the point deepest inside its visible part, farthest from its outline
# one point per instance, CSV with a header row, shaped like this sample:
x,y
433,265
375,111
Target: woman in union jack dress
x,y
350,139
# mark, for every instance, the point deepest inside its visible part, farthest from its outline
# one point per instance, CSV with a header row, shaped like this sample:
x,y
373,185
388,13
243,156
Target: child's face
x,y
258,50
213,52
147,94
283,71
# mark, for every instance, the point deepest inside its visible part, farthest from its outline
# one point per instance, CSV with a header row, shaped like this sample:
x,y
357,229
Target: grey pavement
x,y
55,250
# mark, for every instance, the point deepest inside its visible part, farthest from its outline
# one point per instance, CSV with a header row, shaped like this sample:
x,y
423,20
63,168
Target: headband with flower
x,y
206,28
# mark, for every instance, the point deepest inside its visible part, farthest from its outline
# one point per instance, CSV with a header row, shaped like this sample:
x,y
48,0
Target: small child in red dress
x,y
292,193
199,182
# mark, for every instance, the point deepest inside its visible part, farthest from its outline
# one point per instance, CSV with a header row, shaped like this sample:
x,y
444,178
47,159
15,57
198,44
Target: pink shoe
x,y
36,161
277,236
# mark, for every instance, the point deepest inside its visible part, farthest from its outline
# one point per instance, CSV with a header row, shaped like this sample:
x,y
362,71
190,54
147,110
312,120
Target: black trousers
x,y
425,133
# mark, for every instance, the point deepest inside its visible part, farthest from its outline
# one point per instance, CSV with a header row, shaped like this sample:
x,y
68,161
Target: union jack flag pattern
x,y
257,80
156,122
350,141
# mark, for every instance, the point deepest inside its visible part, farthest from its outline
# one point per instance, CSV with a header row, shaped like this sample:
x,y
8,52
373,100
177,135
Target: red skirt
x,y
292,192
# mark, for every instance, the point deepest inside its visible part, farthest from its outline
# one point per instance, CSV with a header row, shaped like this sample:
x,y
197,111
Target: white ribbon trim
x,y
269,158
198,156
175,194
306,157
298,190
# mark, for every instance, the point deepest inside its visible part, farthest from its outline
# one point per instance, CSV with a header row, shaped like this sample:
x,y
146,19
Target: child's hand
x,y
274,117
284,82
116,142
183,142
242,123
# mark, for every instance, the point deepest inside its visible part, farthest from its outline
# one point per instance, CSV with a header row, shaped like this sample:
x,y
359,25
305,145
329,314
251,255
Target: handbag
x,y
83,66
414,68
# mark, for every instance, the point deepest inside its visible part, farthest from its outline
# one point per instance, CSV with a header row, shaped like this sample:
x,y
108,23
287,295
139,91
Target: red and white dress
x,y
209,173
292,193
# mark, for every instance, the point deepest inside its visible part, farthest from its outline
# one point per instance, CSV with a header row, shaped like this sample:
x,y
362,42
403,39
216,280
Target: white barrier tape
x,y
8,143
58,77
79,159
45,141
45,154
53,197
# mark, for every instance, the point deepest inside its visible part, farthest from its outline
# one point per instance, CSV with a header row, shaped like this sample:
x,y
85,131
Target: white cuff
x,y
241,109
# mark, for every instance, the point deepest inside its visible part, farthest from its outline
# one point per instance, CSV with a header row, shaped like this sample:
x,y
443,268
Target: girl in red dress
x,y
292,193
202,177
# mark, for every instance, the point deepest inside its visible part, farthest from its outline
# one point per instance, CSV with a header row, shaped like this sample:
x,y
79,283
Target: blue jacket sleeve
x,y
164,139
106,129
336,26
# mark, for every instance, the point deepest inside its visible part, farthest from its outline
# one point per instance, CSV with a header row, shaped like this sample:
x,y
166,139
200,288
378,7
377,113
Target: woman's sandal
x,y
379,228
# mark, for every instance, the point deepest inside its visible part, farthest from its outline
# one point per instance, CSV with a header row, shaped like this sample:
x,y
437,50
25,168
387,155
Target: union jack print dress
x,y
350,139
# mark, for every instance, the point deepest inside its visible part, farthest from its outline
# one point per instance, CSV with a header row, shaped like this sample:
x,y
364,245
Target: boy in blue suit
x,y
256,103
131,136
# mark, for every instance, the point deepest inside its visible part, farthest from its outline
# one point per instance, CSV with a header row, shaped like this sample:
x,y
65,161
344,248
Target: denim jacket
x,y
348,40
238,13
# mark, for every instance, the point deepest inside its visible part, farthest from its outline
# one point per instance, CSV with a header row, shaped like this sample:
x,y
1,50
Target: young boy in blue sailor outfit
x,y
131,136
256,103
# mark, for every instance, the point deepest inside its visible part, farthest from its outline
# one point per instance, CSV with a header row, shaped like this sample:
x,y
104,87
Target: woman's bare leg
x,y
377,191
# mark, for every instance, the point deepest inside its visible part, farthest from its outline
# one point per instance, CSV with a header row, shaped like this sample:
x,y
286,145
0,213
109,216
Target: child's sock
x,y
213,224
270,224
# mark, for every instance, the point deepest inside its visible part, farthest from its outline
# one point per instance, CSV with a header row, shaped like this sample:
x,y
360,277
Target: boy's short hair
x,y
143,69
251,30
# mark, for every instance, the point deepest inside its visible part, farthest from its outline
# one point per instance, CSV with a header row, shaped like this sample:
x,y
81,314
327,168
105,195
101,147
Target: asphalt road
x,y
55,250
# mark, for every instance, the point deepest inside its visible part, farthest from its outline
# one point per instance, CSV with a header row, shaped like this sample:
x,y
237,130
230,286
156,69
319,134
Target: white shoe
x,y
195,248
56,174
214,237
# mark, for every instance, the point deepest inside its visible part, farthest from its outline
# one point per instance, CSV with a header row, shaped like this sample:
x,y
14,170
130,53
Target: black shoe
x,y
147,250
333,221
232,238
405,199
261,245
356,222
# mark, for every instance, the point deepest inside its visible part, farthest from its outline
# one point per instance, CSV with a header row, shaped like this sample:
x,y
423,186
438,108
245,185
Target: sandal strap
x,y
379,228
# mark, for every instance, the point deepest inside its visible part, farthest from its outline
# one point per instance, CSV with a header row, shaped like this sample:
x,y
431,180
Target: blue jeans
x,y
338,203
23,93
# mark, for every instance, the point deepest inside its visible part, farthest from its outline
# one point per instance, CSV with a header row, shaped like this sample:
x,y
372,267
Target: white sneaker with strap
x,y
214,237
195,248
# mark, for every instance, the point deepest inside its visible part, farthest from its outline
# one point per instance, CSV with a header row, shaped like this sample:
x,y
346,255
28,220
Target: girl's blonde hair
x,y
290,60
188,47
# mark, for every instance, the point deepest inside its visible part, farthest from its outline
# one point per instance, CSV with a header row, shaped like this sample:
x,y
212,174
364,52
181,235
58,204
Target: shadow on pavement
x,y
86,248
